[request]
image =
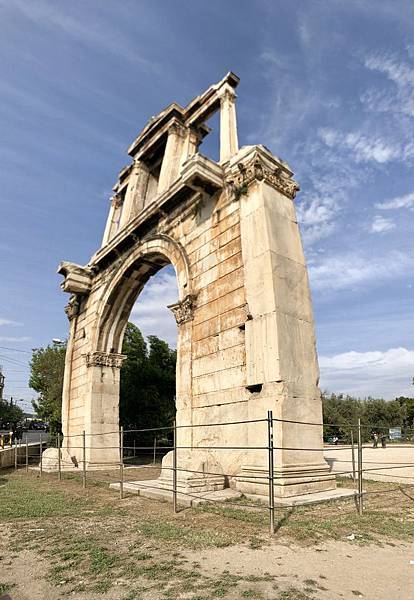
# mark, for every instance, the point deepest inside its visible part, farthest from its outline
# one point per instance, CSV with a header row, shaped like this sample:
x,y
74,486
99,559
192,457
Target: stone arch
x,y
245,346
152,254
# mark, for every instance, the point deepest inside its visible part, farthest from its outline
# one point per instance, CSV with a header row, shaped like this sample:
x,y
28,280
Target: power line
x,y
13,361
15,349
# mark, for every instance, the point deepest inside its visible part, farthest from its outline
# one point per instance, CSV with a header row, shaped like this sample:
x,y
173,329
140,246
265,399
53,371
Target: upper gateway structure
x,y
246,341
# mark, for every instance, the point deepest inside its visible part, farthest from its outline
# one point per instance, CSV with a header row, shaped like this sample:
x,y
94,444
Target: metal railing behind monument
x,y
135,457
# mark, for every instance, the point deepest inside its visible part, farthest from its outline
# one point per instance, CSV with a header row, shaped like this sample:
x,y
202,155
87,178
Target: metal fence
x,y
132,455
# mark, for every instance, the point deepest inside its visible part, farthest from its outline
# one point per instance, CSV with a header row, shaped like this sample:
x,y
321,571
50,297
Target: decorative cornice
x,y
258,169
104,359
72,308
78,279
183,311
226,92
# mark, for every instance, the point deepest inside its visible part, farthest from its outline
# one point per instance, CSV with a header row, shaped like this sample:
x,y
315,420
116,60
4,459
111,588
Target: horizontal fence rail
x,y
26,455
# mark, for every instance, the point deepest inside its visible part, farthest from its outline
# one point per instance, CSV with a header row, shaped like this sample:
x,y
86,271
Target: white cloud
x,y
398,72
365,149
380,224
398,97
329,179
338,272
381,374
316,216
9,322
406,201
150,312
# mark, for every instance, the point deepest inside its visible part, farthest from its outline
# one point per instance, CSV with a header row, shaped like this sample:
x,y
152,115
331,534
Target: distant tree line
x,y
340,412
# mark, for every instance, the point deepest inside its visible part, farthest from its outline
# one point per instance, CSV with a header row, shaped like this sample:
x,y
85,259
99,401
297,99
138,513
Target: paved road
x,y
394,463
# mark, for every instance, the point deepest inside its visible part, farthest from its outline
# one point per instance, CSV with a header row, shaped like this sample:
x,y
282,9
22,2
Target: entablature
x,y
199,174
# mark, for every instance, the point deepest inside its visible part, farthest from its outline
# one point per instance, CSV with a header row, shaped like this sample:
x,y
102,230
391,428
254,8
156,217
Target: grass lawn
x,y
93,542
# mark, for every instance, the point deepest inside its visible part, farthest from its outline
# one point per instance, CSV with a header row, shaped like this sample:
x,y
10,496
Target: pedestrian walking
x,y
383,441
375,438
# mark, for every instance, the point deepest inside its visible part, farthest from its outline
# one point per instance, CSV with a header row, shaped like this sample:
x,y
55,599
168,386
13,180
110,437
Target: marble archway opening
x,y
148,379
246,341
146,298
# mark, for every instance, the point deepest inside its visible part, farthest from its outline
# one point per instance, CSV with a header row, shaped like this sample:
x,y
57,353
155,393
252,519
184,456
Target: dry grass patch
x,y
92,541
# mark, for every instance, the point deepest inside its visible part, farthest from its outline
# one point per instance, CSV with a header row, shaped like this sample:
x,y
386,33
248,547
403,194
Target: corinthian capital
x,y
183,311
258,164
72,307
226,92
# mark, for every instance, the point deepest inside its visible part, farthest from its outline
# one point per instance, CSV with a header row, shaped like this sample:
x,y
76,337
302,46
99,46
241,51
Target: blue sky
x,y
326,85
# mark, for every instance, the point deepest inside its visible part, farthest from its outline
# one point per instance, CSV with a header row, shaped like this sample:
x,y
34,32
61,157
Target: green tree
x,y
47,368
10,413
147,383
408,403
341,414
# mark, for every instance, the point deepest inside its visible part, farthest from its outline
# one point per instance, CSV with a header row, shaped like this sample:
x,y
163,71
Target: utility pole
x,y
2,378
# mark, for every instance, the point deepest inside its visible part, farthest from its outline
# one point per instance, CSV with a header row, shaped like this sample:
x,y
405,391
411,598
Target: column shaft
x,y
229,144
172,157
135,194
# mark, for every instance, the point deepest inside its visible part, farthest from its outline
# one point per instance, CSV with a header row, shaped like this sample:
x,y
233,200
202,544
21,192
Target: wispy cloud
x,y
406,201
380,224
365,149
382,374
399,98
150,312
349,270
317,217
9,322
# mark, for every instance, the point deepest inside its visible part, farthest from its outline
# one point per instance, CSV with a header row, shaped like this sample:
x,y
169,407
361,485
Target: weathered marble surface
x,y
246,341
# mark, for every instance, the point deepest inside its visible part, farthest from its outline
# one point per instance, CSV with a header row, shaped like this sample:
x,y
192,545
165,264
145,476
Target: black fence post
x,y
84,459
353,456
27,455
175,468
271,471
59,445
41,454
360,499
121,462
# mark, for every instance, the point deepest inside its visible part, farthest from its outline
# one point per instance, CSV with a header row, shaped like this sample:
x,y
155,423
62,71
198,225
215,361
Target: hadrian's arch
x,y
246,341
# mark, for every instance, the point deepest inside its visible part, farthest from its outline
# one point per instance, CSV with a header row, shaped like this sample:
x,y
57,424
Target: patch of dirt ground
x,y
61,541
329,571
333,570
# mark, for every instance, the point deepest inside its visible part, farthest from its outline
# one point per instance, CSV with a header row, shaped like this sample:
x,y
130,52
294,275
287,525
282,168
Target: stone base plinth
x,y
294,480
50,460
163,491
199,479
316,497
154,489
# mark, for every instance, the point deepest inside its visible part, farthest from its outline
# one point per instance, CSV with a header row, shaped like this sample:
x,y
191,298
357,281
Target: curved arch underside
x,y
122,291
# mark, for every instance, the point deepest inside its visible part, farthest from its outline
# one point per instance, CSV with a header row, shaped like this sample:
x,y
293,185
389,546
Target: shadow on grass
x,y
404,492
284,520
